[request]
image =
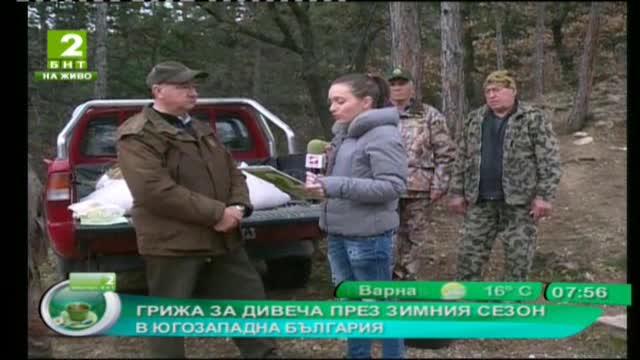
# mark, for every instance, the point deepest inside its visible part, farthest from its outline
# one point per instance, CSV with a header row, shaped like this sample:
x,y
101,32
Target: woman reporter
x,y
366,174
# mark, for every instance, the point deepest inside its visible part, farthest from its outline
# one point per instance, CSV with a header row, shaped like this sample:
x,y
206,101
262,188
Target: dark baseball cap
x,y
173,72
399,73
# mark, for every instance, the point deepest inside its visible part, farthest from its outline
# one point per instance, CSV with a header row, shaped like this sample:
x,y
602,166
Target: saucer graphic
x,y
65,321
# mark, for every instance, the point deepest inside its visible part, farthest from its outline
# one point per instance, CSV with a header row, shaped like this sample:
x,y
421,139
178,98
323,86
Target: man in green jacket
x,y
504,179
188,200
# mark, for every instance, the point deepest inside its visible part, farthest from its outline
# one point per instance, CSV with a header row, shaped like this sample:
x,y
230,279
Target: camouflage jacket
x,y
531,161
430,151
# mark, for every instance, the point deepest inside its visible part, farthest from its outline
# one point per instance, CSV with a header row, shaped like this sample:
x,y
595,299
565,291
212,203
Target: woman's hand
x,y
313,186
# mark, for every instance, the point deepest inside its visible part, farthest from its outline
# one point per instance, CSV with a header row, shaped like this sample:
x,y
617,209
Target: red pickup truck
x,y
279,240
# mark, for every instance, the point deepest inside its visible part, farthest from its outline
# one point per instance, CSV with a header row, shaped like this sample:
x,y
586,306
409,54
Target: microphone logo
x,y
315,161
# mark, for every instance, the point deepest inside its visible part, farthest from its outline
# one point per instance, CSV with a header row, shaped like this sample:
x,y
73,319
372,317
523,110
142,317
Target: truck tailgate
x,y
290,215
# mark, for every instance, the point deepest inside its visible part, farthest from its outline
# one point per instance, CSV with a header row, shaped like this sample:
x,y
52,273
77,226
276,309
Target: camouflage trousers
x,y
412,239
487,220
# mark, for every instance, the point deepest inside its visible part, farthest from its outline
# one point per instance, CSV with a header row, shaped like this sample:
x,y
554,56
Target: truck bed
x,y
295,221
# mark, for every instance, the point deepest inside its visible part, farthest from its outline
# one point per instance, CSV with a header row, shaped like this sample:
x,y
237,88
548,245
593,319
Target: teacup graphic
x,y
78,311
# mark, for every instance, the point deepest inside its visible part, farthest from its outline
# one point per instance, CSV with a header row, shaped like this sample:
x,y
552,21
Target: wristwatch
x,y
241,208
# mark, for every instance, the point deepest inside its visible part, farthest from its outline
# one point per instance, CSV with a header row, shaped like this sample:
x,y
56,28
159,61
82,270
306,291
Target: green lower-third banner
x,y
160,317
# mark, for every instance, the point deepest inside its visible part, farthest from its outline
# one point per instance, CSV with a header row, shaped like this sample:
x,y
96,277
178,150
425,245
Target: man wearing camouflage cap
x,y
504,179
188,200
431,152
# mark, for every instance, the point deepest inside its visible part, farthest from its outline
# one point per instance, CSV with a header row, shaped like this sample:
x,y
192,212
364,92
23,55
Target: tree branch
x,y
359,56
561,15
305,26
360,59
255,35
284,28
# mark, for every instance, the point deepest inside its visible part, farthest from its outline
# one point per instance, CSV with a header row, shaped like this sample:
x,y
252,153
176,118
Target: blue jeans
x,y
361,259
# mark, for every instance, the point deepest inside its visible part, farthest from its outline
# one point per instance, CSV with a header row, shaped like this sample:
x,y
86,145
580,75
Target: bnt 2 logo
x,y
66,57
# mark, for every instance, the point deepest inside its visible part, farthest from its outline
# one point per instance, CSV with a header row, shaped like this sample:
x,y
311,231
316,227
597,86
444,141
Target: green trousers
x,y
226,277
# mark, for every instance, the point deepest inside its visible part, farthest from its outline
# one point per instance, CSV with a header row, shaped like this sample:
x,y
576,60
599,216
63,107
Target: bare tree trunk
x,y
366,13
561,11
580,109
257,73
472,95
37,243
100,89
406,49
39,342
316,84
40,62
499,14
318,94
44,14
362,53
453,94
539,58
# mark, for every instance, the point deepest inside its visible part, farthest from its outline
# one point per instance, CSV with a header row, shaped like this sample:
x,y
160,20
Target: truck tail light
x,y
59,187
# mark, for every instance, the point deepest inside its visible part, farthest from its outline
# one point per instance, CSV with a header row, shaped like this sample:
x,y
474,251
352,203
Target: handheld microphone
x,y
316,160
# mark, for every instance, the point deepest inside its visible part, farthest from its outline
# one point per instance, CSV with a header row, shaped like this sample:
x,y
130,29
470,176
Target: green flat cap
x,y
173,72
399,73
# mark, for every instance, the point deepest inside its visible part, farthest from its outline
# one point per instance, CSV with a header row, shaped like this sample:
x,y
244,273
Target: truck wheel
x,y
289,272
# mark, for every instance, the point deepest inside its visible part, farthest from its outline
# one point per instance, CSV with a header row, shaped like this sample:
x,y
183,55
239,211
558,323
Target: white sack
x,y
108,177
114,192
104,180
